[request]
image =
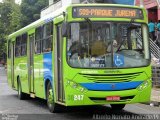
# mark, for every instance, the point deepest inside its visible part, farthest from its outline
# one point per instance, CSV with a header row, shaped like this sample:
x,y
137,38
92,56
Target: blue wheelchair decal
x,y
118,60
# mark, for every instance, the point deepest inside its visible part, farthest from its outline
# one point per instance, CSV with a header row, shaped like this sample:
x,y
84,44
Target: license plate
x,y
113,98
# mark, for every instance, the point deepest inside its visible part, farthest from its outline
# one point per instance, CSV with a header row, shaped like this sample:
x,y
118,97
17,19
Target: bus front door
x,y
59,65
30,64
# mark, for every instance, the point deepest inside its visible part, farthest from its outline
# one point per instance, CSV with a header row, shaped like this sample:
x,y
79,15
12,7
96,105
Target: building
x,y
57,4
153,8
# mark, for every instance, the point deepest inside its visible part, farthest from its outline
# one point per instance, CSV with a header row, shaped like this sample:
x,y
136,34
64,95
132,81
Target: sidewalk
x,y
155,97
2,70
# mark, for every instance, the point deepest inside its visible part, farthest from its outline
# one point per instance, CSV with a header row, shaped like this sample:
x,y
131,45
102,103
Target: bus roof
x,y
37,23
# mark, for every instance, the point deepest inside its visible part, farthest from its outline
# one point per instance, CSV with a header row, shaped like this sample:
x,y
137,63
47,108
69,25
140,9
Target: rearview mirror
x,y
65,29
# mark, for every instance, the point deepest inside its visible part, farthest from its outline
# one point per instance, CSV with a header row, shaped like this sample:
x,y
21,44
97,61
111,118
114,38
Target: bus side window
x,y
24,44
47,37
18,46
21,45
35,47
38,39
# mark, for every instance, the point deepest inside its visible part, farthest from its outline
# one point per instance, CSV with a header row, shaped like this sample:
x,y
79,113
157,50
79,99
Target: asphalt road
x,y
11,108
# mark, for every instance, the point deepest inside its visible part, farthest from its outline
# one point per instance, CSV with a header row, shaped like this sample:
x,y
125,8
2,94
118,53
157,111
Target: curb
x,y
152,103
155,103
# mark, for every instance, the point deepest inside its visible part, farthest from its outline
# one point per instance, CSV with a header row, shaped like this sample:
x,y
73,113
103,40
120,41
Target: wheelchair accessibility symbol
x,y
118,60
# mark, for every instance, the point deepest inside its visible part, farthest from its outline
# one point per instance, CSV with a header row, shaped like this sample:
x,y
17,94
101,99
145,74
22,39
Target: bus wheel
x,y
53,107
21,95
118,107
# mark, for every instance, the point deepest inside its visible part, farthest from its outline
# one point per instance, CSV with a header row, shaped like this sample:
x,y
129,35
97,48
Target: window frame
x,y
21,41
39,34
47,28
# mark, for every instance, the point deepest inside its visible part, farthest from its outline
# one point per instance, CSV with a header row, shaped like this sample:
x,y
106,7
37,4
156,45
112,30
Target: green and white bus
x,y
85,54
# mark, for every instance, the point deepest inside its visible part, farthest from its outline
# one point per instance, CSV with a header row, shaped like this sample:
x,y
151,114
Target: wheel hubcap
x,y
50,97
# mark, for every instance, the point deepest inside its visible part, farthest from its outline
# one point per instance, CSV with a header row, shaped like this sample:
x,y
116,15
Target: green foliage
x,y
9,21
14,16
31,10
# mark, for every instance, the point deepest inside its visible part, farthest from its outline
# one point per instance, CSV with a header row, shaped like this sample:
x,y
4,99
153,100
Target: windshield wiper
x,y
88,20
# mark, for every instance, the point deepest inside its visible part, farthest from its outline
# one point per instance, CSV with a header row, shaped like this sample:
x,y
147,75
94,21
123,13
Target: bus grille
x,y
110,78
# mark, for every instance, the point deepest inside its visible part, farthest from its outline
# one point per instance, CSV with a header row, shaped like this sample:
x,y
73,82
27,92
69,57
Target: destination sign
x,y
106,12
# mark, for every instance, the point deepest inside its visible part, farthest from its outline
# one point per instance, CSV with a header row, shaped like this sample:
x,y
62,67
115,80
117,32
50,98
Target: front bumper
x,y
76,96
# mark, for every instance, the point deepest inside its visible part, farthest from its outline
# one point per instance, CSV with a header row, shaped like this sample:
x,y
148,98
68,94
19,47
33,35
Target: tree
x,y
14,16
9,22
31,10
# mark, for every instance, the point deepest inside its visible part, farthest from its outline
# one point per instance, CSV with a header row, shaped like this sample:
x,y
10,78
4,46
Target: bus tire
x,y
117,107
52,106
21,95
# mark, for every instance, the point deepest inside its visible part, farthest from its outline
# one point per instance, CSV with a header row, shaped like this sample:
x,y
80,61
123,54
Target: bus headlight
x,y
76,86
143,85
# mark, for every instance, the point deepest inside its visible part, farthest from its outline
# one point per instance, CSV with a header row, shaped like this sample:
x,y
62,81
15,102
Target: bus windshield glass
x,y
107,45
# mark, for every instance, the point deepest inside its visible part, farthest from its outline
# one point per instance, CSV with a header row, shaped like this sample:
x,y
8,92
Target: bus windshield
x,y
107,45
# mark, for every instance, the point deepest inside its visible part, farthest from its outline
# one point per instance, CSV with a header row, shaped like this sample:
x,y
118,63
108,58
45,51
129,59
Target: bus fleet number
x,y
78,97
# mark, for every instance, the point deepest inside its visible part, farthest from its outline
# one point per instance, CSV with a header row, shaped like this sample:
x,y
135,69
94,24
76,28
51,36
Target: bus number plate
x,y
113,98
